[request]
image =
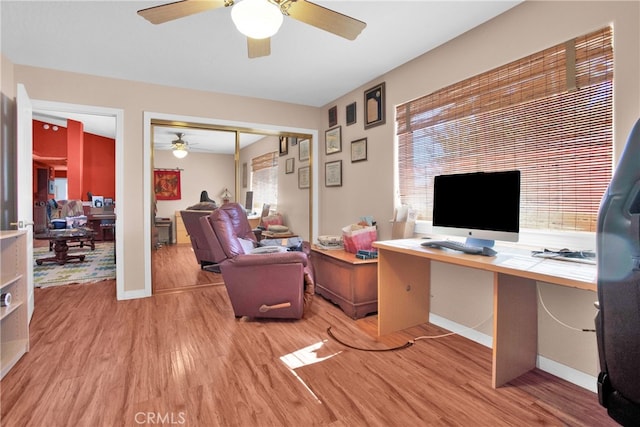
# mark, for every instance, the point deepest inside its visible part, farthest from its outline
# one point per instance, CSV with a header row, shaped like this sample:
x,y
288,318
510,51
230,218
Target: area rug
x,y
98,265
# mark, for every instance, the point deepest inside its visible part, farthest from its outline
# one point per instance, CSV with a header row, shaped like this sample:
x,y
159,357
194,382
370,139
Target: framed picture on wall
x,y
303,177
359,150
374,106
333,174
333,116
284,146
351,113
303,150
333,140
289,165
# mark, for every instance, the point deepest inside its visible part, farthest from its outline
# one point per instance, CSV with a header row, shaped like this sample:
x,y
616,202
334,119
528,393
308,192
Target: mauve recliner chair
x,y
201,248
271,285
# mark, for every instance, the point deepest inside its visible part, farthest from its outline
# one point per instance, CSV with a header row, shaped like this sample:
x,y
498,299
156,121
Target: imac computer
x,y
481,206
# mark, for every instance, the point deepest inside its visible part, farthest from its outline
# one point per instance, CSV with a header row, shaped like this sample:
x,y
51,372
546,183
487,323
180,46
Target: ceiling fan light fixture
x,y
257,19
180,151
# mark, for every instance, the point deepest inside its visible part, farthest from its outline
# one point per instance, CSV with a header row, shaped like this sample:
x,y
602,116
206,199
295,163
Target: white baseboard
x,y
463,331
565,372
126,295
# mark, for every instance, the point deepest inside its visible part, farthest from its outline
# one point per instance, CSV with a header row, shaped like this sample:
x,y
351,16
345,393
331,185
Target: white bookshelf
x,y
14,320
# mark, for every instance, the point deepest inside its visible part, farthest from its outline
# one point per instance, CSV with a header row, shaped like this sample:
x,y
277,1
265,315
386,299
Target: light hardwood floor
x,y
183,359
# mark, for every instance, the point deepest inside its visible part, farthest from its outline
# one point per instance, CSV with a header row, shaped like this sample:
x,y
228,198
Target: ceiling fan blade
x,y
179,9
258,47
326,19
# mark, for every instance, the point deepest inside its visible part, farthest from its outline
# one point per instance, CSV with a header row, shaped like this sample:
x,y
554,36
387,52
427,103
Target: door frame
x,y
41,106
148,167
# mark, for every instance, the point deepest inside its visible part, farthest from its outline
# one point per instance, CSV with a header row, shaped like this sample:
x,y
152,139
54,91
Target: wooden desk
x,y
350,282
404,285
103,224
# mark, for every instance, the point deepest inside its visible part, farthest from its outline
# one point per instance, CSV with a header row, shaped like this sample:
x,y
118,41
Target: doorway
x,y
114,117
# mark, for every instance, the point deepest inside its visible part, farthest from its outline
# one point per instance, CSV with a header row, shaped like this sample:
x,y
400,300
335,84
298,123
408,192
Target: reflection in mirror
x,y
269,169
215,159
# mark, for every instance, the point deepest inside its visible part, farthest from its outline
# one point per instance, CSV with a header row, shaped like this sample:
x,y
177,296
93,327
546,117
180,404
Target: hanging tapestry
x,y
167,184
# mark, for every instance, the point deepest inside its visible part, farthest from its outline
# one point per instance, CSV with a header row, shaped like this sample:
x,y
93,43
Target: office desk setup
x,y
404,268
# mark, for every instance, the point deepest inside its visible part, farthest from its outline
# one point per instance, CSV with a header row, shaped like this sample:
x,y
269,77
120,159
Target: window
x,y
264,179
548,115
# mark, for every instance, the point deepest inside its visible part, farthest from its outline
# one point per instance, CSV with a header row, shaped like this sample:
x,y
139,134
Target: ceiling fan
x,y
179,146
261,19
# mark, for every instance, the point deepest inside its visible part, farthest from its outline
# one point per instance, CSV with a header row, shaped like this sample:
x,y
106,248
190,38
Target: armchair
x,y
271,285
205,254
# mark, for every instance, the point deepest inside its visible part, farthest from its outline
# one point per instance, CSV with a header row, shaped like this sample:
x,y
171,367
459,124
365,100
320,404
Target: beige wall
x,y
528,28
200,171
368,187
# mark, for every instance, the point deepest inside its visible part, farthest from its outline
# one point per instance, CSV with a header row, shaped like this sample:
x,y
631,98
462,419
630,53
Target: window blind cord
x,y
408,343
558,320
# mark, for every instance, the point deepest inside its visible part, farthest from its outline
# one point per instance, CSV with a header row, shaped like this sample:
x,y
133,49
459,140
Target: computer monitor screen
x,y
481,205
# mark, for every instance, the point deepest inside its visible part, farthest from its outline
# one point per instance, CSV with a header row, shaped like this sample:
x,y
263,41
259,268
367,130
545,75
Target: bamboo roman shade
x,y
548,115
264,178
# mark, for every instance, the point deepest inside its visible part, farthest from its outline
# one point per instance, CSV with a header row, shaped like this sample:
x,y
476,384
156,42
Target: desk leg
x,y
403,291
515,327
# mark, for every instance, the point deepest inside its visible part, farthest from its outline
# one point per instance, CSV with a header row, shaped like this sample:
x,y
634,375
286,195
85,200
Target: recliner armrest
x,y
244,260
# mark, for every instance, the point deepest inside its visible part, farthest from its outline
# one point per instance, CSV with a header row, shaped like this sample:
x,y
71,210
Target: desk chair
x,y
618,318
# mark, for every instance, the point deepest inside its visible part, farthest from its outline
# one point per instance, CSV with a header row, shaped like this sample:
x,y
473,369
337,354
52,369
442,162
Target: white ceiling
x,y
205,52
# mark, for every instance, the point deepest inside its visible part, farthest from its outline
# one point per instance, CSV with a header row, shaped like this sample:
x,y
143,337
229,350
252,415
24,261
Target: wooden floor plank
x,y
184,357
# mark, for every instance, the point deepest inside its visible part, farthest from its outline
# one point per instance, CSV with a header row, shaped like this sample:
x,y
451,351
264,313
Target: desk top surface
x,y
513,261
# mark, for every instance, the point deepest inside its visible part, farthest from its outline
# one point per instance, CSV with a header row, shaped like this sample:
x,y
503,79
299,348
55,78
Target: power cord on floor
x,y
558,320
405,345
408,343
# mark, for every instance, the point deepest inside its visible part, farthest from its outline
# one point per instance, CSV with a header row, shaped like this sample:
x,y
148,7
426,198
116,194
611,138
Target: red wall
x,y
91,163
49,143
99,166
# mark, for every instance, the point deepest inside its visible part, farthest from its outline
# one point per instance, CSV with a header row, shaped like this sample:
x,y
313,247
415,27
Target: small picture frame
x,y
289,165
303,177
374,106
333,174
351,113
97,201
359,150
108,201
333,116
303,150
52,186
284,146
333,140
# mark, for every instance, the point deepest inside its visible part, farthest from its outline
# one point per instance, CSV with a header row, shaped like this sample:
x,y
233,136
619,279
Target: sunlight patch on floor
x,y
304,357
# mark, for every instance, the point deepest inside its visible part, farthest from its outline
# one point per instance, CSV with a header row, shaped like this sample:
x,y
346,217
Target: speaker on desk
x,y
248,203
618,318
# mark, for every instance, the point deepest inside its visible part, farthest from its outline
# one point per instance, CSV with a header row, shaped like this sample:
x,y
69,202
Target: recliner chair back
x,y
205,255
618,318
